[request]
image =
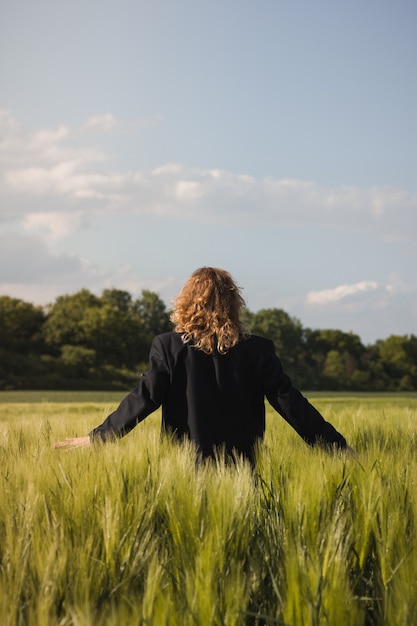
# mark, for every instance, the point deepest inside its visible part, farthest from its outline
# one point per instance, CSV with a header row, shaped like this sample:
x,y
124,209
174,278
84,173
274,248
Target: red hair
x,y
207,311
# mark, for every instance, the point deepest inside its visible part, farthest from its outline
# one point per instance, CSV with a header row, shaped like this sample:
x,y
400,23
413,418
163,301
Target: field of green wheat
x,y
135,533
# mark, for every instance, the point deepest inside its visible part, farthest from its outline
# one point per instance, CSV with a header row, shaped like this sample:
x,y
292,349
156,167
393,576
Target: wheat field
x,y
137,533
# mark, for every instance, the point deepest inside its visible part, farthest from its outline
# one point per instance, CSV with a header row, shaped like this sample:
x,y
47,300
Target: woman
x,y
211,378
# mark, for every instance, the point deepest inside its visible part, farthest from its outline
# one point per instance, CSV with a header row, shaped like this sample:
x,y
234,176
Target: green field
x,y
134,533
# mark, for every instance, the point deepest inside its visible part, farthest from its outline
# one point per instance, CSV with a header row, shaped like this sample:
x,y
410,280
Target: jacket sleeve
x,y
143,400
294,407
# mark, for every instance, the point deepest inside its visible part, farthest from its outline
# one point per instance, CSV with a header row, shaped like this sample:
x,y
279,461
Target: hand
x,y
73,442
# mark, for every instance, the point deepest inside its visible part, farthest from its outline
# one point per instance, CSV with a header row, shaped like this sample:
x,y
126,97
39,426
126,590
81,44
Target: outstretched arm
x,y
296,409
135,407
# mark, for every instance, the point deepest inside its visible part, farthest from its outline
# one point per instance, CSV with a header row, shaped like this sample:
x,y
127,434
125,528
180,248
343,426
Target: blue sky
x,y
141,140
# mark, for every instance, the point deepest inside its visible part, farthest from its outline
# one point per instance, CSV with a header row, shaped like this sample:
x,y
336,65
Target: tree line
x,y
84,341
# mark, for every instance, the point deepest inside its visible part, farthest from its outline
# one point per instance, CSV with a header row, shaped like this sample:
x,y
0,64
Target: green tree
x,y
84,340
117,330
64,324
21,343
79,360
115,335
118,299
334,370
398,356
336,357
20,325
322,341
287,334
153,315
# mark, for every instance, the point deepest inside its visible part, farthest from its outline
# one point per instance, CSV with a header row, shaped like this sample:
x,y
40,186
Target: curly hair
x,y
207,311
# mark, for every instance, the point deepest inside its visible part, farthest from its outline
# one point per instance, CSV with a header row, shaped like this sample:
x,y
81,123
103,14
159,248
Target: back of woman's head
x,y
207,311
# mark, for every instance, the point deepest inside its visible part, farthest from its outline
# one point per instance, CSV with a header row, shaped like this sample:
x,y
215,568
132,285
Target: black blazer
x,y
217,399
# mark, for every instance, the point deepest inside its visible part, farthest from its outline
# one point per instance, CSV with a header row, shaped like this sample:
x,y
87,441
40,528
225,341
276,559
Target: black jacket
x,y
217,399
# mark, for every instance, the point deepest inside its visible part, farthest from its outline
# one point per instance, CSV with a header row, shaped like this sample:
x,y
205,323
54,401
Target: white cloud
x,y
188,190
53,225
29,271
396,286
22,149
103,123
47,172
341,292
107,123
25,259
58,182
373,310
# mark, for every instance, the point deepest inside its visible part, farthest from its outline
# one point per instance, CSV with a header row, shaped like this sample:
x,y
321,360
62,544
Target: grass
x,y
60,396
136,533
